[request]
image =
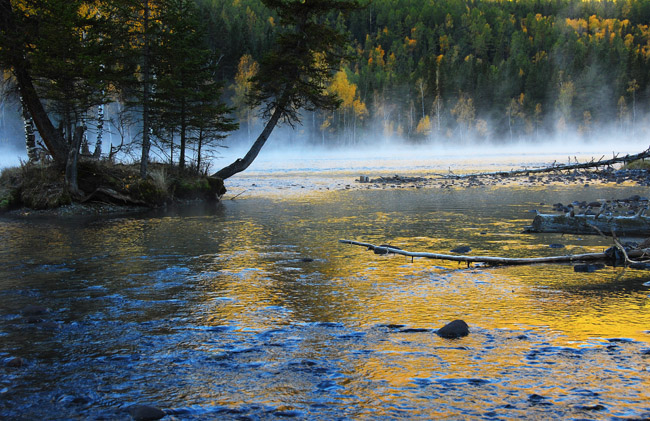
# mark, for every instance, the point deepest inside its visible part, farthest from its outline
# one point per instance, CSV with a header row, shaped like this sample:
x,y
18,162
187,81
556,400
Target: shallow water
x,y
251,309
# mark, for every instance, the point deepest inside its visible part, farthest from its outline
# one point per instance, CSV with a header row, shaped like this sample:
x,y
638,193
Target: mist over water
x,y
383,154
297,150
11,157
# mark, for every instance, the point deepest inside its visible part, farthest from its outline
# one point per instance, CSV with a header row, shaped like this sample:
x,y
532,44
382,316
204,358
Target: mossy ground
x,y
42,186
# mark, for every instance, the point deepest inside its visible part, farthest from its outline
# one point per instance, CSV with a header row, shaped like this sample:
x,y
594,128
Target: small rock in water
x,y
393,326
461,249
146,413
14,362
307,259
597,407
537,399
414,330
588,268
640,266
556,246
33,310
455,329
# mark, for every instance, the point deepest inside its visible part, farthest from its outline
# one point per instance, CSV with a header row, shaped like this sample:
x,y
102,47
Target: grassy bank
x,y
42,186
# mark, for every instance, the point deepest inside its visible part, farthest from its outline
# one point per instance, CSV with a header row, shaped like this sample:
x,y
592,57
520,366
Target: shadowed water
x,y
252,309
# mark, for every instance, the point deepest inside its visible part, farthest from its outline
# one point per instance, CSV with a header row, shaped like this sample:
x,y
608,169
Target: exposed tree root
x,y
116,197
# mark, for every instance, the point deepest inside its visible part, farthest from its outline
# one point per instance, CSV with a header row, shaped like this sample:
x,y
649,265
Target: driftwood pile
x,y
625,217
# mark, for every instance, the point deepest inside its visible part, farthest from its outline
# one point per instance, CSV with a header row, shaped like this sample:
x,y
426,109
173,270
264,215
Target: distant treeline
x,y
441,69
175,74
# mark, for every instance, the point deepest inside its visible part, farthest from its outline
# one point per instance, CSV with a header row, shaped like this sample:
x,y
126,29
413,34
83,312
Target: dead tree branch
x,y
555,168
494,261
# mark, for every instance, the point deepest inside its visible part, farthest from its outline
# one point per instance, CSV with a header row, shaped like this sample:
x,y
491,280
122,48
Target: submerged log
x,y
626,226
496,261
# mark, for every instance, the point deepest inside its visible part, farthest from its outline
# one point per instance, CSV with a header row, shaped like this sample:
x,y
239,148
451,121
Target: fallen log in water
x,y
625,226
555,167
496,261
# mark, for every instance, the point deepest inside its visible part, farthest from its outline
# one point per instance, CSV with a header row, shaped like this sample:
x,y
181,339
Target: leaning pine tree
x,y
294,75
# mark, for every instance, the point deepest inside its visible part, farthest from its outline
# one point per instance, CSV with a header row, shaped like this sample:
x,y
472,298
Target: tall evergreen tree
x,y
185,70
294,75
26,34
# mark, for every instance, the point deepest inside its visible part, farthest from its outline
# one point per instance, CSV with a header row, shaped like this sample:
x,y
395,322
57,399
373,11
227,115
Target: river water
x,y
251,309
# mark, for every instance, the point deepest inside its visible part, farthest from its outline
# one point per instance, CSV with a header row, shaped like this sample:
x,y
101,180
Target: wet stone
x,y
597,407
619,340
556,246
33,310
50,325
455,329
640,266
33,319
413,330
146,413
588,268
392,326
14,362
536,399
461,249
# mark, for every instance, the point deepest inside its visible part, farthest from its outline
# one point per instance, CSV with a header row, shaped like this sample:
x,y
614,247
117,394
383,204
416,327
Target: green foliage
x,y
188,187
526,66
61,42
566,57
639,164
294,73
187,97
9,184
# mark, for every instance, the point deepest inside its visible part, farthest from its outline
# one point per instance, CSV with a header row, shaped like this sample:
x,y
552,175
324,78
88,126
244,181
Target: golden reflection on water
x,y
256,266
250,255
347,283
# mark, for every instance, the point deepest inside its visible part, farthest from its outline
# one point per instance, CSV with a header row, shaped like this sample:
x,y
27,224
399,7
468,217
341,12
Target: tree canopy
x,y
420,70
295,73
568,65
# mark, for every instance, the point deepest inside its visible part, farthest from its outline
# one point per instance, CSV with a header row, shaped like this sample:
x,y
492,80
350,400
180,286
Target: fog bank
x,y
279,156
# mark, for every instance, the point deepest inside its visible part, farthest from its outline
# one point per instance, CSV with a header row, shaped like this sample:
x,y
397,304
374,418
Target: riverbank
x,y
36,190
106,188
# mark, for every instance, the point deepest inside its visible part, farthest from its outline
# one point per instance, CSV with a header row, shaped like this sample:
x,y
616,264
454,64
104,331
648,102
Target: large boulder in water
x,y
455,329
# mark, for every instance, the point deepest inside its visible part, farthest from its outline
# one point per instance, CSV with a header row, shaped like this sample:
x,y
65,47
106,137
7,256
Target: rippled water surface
x,y
251,309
